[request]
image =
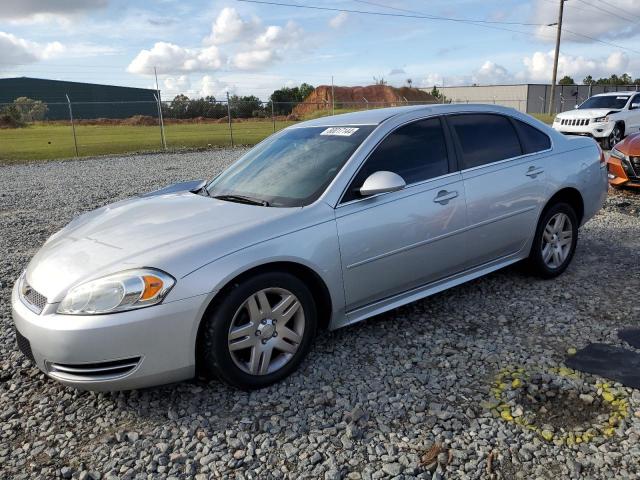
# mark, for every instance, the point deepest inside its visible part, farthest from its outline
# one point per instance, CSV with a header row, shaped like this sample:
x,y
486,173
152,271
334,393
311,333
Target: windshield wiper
x,y
243,199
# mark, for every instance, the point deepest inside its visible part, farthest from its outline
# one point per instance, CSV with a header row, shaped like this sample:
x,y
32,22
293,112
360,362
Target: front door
x,y
393,242
633,122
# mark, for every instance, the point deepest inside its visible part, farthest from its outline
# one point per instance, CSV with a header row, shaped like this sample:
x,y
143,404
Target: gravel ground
x,y
466,384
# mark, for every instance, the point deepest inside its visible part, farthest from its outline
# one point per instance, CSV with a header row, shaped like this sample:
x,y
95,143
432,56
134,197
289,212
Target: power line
x,y
606,11
450,19
429,17
385,14
621,9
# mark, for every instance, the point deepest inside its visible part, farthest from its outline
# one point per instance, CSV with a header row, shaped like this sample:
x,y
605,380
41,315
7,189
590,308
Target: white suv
x,y
607,117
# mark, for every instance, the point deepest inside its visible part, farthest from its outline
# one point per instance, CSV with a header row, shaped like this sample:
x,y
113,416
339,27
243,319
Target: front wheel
x,y
555,241
260,332
614,138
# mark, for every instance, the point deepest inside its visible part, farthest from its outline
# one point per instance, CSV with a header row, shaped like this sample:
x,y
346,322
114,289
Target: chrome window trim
x,y
373,149
498,162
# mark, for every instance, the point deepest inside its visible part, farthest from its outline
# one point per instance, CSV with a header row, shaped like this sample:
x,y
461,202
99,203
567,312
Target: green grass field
x,y
46,142
54,141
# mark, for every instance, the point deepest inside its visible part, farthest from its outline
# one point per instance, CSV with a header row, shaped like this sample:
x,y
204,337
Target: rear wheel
x,y
555,241
260,332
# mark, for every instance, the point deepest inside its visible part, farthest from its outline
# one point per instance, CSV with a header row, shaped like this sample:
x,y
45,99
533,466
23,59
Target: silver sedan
x,y
321,225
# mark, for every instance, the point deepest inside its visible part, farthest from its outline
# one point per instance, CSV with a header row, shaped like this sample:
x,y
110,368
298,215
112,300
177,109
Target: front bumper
x,y
122,351
595,130
622,175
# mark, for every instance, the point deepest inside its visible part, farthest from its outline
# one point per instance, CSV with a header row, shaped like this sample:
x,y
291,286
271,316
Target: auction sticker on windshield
x,y
340,131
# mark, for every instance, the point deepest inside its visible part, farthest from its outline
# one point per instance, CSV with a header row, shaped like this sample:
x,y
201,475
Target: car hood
x,y
587,113
176,232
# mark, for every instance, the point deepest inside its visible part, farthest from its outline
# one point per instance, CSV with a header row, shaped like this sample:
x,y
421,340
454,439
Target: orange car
x,y
624,163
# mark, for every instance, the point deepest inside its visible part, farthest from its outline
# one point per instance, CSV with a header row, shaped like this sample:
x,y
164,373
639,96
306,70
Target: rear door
x,y
393,242
503,169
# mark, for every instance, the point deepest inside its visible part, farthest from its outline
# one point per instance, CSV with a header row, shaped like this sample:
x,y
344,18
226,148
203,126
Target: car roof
x,y
610,94
378,115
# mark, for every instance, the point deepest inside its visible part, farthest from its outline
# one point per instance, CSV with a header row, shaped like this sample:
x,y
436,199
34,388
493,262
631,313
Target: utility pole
x,y
552,98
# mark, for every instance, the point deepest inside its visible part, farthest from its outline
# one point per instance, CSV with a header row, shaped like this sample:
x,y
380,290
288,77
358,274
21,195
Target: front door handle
x,y
444,197
533,172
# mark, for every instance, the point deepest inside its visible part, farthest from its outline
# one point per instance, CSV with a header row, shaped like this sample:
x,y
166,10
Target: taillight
x,y
603,160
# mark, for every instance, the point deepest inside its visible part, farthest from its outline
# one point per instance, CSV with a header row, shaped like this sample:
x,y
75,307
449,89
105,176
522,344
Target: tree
x,y
10,117
285,98
245,107
379,81
567,80
588,80
409,82
435,92
30,110
179,107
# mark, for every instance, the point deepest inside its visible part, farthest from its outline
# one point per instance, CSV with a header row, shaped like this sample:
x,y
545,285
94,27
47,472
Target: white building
x,y
527,97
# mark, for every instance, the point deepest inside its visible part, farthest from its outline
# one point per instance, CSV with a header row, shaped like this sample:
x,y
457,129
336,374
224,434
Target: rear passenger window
x,y
416,152
533,140
485,138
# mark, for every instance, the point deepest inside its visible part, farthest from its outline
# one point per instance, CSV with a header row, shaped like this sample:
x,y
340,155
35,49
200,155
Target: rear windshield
x,y
616,102
291,169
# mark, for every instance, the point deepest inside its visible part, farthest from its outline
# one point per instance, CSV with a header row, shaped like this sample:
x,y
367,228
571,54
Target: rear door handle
x,y
533,172
444,197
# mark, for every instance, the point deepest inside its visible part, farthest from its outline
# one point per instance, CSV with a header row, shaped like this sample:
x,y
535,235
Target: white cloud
x,y
491,72
254,59
589,20
170,58
177,84
23,9
18,51
339,20
269,46
230,27
538,66
210,86
250,47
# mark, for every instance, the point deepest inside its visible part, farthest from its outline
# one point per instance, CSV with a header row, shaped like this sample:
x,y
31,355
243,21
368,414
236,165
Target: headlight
x,y
601,120
556,120
122,291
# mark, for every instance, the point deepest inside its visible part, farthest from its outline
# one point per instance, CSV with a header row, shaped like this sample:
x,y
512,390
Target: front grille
x,y
631,167
93,371
575,122
32,299
24,345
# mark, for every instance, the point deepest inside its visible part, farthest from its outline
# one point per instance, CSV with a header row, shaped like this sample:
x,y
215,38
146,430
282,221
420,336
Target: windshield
x,y
616,102
291,169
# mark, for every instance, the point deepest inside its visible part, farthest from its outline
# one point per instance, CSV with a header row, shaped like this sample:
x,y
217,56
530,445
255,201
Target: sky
x,y
211,47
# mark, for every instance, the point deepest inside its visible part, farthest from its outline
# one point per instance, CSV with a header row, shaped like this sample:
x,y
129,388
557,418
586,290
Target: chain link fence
x,y
98,128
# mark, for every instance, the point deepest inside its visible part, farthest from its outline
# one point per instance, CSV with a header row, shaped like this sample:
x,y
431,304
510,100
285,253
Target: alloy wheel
x,y
556,240
615,137
266,331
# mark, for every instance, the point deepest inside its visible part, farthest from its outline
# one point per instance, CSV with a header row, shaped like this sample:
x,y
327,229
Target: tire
x,y
247,323
616,136
539,262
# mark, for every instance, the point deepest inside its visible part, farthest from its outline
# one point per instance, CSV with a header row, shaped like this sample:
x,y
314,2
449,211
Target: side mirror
x,y
382,182
634,106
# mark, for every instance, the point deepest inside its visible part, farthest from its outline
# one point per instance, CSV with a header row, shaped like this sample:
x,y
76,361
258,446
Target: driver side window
x,y
416,152
635,101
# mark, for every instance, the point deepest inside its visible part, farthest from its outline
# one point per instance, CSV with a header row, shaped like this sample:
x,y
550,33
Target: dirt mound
x,y
360,97
144,120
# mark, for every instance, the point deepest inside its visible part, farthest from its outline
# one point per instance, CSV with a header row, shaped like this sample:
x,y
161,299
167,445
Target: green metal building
x,y
89,100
